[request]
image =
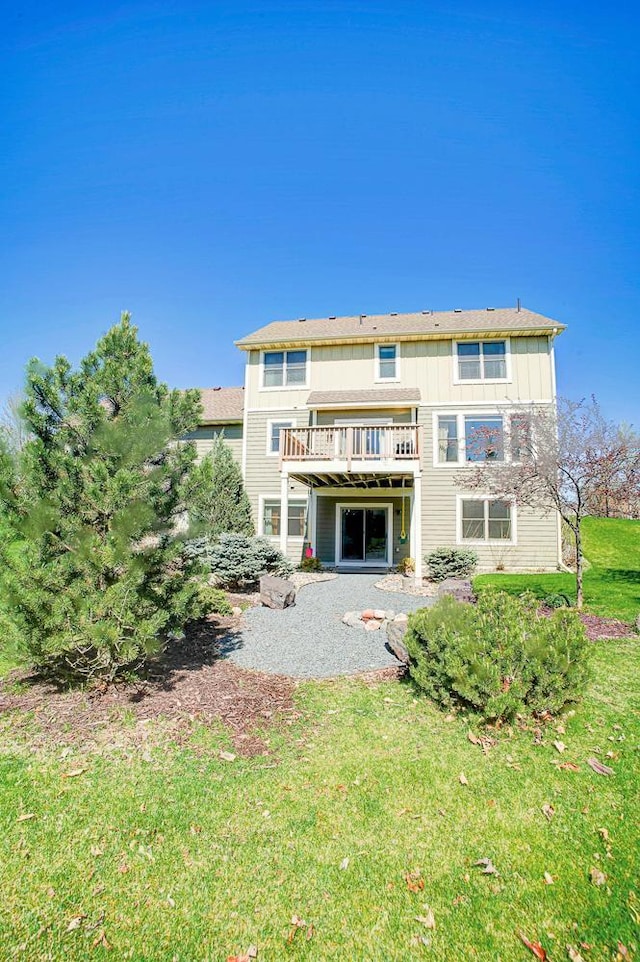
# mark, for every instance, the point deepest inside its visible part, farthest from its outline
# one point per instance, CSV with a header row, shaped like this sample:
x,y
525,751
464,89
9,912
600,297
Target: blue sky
x,y
214,166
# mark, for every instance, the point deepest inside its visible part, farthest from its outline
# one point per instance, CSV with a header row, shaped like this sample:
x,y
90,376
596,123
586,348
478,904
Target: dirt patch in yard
x,y
190,683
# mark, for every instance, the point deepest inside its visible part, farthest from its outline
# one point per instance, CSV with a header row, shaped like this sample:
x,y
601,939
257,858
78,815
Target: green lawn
x,y
611,583
174,853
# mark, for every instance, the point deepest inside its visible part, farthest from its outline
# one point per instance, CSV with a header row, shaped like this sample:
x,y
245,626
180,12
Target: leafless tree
x,y
12,425
563,458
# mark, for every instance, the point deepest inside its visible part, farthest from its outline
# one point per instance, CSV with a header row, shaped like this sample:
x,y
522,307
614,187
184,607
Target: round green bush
x,y
450,563
498,658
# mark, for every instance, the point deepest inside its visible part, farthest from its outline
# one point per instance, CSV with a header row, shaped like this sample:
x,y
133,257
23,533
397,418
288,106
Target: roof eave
x,y
374,338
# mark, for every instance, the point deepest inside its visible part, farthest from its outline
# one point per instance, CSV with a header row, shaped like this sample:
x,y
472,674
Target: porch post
x,y
312,508
284,511
416,526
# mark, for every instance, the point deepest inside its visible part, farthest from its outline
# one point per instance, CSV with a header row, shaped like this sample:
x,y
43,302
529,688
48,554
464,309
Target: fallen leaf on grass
x,y
344,864
597,876
548,811
534,947
489,868
414,881
101,939
26,817
623,953
296,924
428,919
251,953
604,833
75,922
573,954
74,773
598,767
463,779
227,756
559,746
484,741
569,767
548,879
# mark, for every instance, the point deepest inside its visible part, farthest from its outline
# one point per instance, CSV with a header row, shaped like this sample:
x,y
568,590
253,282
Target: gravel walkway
x,y
309,639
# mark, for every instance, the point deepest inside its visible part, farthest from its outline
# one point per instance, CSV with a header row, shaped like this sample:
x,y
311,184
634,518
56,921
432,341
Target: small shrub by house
x,y
499,658
451,563
239,561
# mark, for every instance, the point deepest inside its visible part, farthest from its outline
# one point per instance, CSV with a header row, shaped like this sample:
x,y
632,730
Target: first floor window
x,y
484,519
272,513
284,368
482,360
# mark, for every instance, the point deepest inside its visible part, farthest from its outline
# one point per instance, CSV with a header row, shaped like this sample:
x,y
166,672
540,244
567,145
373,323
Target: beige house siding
x,y
427,365
536,545
205,435
326,522
396,415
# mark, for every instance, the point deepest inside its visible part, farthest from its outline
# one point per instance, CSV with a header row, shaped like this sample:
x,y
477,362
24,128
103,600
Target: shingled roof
x,y
500,322
222,404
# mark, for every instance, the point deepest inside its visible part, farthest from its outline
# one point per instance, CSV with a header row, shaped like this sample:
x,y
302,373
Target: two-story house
x,y
351,430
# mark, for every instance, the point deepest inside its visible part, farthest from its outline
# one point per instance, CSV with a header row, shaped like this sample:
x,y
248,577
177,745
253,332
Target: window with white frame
x,y
273,434
387,356
284,368
483,438
485,519
448,441
521,437
272,514
482,360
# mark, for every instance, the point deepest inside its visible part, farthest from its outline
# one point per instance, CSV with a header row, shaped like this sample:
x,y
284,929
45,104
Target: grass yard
x,y
167,852
611,583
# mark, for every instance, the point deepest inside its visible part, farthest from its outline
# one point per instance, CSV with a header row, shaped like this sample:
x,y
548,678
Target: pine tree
x,y
101,579
218,502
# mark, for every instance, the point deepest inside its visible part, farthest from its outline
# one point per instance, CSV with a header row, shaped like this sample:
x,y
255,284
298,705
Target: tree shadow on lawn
x,y
192,679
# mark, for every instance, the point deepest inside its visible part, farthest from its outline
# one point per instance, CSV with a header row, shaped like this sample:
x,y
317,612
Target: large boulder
x,y
277,592
396,631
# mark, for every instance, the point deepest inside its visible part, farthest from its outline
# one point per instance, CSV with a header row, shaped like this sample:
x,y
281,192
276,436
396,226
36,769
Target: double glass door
x,y
364,535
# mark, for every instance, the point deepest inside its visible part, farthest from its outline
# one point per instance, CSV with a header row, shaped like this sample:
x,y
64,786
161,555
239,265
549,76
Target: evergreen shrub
x,y
498,658
311,564
451,563
239,561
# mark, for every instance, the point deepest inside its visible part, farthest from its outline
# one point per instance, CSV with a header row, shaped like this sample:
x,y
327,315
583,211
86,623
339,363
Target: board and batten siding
x,y
327,505
537,533
396,415
427,365
205,435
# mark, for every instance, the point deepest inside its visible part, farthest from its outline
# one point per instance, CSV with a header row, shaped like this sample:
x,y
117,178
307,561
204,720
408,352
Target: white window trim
x,y
284,387
262,499
376,360
388,505
478,542
462,450
290,421
483,380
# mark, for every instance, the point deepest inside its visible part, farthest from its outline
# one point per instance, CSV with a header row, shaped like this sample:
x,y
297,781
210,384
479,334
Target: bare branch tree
x,y
12,424
558,459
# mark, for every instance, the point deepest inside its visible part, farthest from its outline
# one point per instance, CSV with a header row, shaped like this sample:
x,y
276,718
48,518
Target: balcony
x,y
359,447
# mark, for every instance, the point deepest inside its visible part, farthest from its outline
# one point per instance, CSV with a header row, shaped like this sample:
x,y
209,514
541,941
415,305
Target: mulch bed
x,y
598,628
190,682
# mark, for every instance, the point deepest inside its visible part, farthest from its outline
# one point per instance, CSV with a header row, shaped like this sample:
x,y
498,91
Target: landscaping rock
x,y
395,634
372,624
367,614
379,613
352,619
276,592
460,589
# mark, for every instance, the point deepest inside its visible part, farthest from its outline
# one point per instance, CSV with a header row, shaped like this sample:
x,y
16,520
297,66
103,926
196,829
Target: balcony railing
x,y
366,442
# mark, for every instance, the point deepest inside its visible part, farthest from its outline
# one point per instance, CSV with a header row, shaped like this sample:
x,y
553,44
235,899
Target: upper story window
x,y
482,361
463,438
483,438
284,369
387,362
273,434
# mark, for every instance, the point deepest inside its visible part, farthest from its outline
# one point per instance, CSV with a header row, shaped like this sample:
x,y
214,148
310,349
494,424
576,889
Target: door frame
x,y
388,506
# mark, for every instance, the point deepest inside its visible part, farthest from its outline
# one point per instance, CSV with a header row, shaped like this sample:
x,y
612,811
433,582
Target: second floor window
x,y
275,427
285,368
387,362
466,438
484,439
482,360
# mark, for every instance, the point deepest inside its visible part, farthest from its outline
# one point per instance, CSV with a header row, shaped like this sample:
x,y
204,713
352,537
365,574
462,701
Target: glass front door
x,y
364,535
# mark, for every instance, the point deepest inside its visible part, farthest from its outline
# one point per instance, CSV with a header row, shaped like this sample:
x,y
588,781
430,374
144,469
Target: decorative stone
x,y
372,624
379,613
367,614
389,615
395,634
236,611
352,619
276,592
401,618
458,588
